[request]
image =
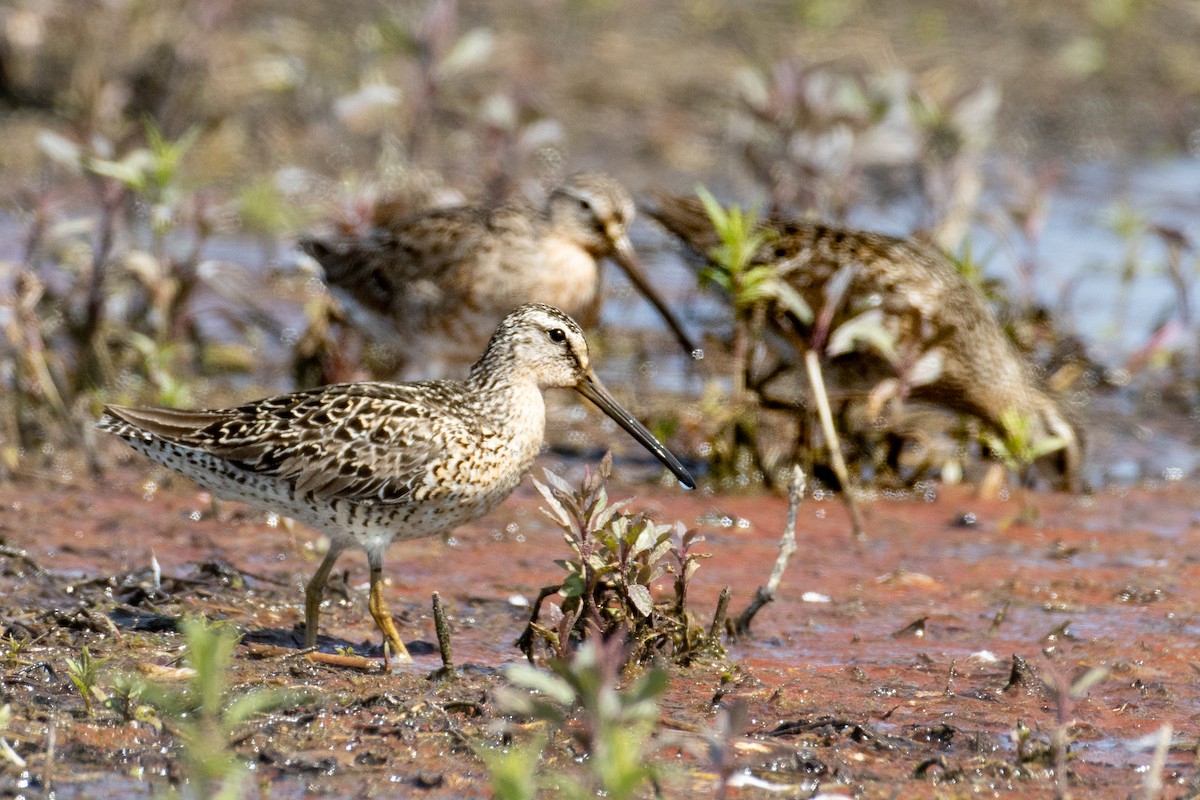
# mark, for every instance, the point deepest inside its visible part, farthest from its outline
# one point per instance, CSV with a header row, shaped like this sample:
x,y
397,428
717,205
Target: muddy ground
x,y
883,669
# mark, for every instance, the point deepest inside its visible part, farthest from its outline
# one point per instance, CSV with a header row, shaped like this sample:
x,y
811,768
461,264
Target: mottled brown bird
x,y
433,285
925,305
369,463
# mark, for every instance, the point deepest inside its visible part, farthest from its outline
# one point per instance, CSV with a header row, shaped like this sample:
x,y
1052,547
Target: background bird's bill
x,y
623,256
591,388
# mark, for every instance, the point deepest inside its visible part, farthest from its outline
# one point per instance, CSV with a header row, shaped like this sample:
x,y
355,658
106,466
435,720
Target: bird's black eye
x,y
557,335
584,204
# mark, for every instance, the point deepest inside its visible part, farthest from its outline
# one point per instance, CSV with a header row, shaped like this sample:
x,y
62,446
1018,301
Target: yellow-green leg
x,y
315,592
383,617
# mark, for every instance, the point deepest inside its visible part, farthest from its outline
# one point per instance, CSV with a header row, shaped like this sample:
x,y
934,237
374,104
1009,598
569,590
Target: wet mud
x,y
934,659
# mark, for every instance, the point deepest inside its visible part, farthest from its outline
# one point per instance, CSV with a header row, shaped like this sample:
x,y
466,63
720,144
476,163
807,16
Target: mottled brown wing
x,y
412,262
365,442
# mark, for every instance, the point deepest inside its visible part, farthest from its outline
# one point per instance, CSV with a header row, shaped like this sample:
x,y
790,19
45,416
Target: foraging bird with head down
x,y
370,463
433,285
924,304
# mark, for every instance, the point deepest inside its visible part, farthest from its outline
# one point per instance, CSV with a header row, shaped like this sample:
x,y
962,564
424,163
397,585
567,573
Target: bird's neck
x,y
496,382
511,410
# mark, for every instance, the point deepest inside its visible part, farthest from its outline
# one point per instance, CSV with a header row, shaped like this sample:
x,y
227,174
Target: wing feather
x,y
365,442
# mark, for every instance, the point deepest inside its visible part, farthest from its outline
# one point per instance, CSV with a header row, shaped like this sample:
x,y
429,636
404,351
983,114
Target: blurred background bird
x,y
942,340
431,286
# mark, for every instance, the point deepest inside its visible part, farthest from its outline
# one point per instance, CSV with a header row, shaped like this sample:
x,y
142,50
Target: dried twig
x,y
442,626
816,380
787,546
315,656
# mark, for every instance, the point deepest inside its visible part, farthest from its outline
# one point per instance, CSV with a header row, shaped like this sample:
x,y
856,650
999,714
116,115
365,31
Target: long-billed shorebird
x,y
369,463
926,306
433,285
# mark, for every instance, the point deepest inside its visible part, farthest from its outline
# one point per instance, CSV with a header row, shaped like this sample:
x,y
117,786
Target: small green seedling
x,y
206,714
581,698
84,672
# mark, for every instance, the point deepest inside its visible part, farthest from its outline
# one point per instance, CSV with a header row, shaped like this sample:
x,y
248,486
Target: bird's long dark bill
x,y
591,388
623,255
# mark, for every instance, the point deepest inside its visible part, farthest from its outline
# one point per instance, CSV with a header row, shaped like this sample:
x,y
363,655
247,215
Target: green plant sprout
x,y
1019,447
125,700
607,589
752,288
206,714
159,360
84,672
610,725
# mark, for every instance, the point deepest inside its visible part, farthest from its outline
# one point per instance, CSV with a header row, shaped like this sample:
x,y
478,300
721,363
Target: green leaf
x,y
648,688
716,212
130,170
555,512
660,551
573,586
648,575
639,595
1045,446
558,483
258,702
513,770
530,677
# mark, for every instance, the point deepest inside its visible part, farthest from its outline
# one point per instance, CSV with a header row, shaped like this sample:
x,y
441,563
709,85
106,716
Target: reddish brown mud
x,y
882,670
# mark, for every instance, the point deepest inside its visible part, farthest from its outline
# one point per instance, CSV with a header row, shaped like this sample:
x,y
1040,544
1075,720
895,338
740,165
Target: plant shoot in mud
x,y
206,714
1019,448
753,291
84,672
617,558
581,699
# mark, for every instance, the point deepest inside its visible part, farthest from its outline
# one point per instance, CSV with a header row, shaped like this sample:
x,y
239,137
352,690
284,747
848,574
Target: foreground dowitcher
x,y
369,463
926,306
433,285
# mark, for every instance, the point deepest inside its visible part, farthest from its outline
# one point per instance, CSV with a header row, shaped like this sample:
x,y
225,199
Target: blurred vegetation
x,y
580,700
130,172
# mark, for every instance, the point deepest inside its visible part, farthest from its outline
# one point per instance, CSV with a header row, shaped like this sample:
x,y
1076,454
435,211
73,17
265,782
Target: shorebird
x,y
926,306
433,285
369,463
